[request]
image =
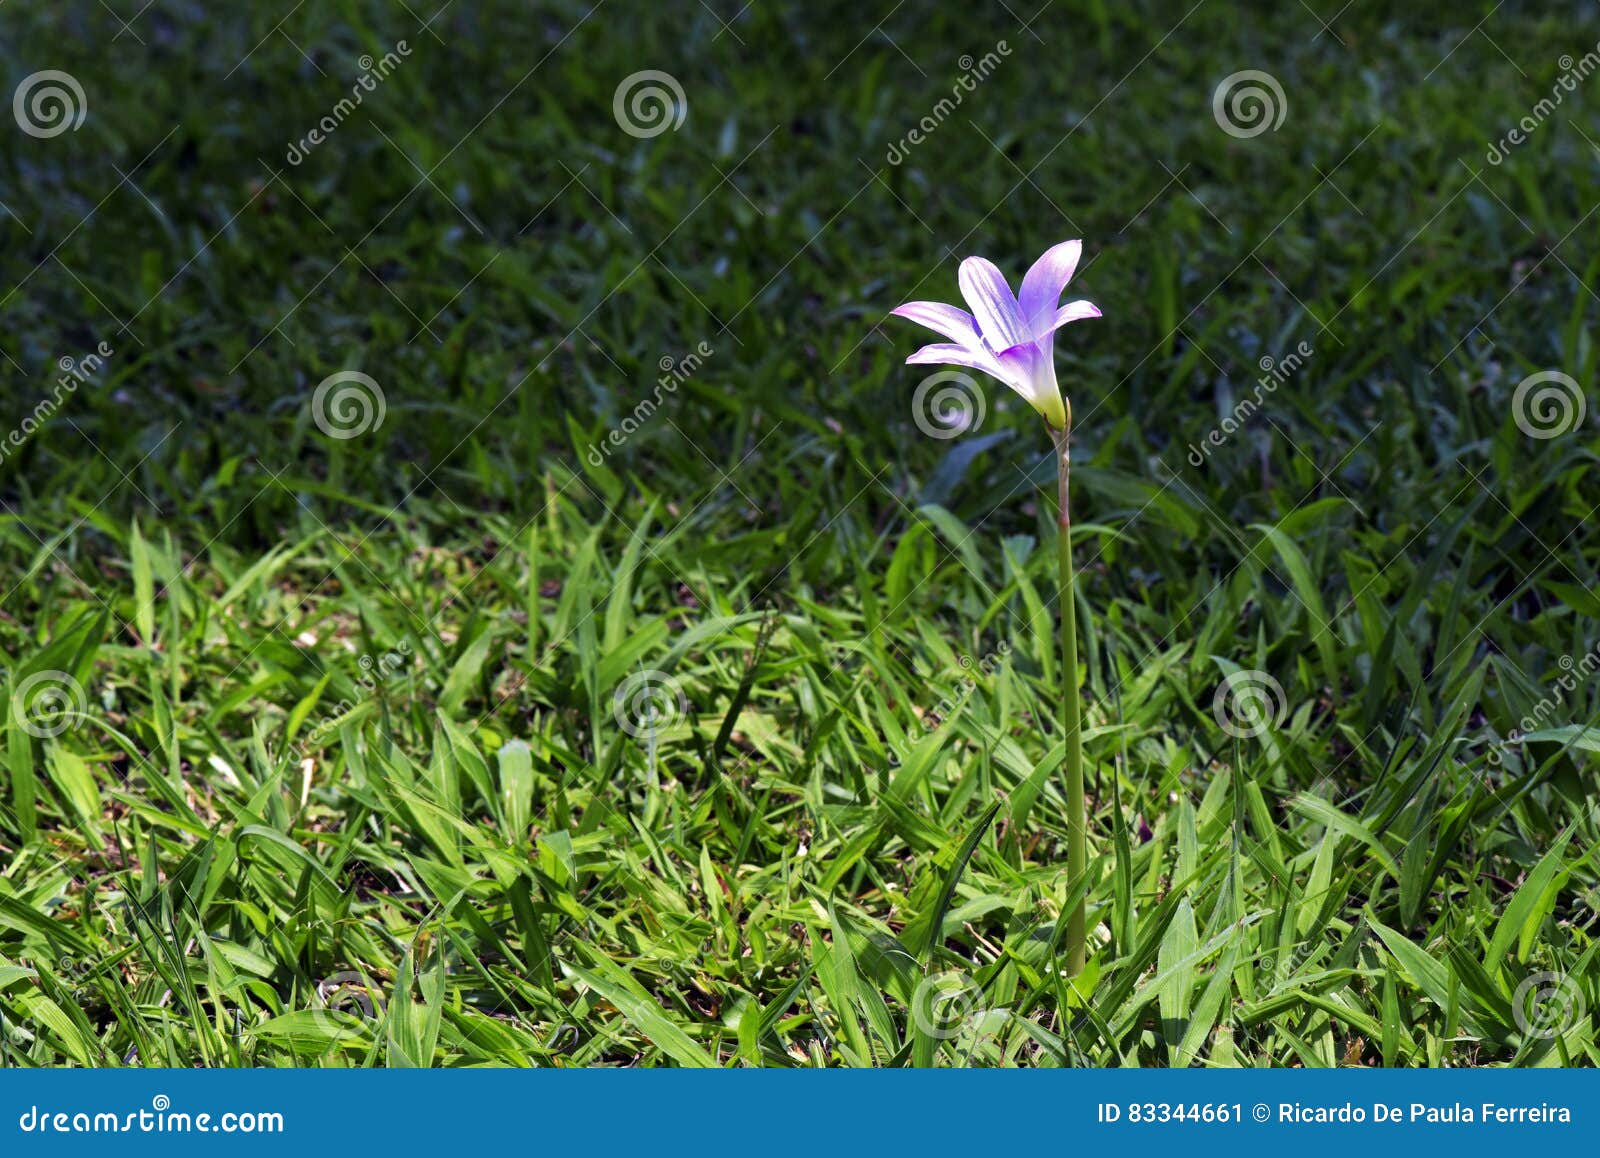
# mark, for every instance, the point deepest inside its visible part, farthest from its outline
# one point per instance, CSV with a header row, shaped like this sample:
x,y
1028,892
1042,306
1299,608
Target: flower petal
x,y
986,291
1030,370
942,354
1071,312
953,323
1042,286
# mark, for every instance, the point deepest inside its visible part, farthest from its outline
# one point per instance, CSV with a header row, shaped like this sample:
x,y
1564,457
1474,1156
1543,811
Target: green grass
x,y
349,783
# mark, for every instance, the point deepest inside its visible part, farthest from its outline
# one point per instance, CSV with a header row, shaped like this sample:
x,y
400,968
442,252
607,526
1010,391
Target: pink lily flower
x,y
1008,337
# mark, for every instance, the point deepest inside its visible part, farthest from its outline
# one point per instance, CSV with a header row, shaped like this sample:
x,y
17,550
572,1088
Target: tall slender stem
x,y
1071,709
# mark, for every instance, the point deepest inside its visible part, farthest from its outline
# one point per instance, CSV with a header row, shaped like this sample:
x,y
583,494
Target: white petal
x,y
1042,286
955,324
992,303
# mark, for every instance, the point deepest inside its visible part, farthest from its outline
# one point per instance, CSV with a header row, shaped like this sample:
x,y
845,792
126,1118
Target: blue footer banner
x,y
278,1111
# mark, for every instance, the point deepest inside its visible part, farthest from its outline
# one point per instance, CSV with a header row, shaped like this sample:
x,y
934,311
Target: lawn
x,y
482,587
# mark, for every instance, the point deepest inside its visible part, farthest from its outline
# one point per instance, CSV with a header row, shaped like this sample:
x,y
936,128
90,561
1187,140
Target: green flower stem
x,y
1071,708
